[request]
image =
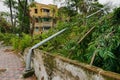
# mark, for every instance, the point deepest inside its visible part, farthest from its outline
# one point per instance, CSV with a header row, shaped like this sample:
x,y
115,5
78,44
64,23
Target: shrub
x,y
6,37
116,16
21,43
1,36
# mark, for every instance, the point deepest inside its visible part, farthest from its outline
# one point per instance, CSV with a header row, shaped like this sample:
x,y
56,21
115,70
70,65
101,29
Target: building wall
x,y
44,16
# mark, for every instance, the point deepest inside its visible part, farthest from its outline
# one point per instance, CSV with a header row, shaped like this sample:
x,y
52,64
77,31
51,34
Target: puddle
x,y
2,70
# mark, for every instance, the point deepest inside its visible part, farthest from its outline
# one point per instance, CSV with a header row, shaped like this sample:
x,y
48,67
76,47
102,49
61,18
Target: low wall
x,y
51,67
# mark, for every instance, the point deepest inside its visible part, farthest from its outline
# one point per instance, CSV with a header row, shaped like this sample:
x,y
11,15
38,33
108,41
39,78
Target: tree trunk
x,y
27,13
10,4
24,14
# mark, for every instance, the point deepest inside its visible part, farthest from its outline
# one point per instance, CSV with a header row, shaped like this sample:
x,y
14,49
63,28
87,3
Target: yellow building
x,y
44,17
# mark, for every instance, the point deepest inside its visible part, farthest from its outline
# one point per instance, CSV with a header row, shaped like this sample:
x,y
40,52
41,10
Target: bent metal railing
x,y
29,55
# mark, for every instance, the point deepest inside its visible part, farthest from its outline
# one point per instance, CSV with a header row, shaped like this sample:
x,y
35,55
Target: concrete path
x,y
11,67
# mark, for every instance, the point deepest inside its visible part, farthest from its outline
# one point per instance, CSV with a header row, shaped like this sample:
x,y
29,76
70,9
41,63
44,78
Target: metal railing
x,y
29,55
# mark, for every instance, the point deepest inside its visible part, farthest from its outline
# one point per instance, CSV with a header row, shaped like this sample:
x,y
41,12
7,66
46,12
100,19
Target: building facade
x,y
44,15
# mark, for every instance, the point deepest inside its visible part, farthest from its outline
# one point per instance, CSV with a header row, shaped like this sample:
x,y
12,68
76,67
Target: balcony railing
x,y
46,23
46,14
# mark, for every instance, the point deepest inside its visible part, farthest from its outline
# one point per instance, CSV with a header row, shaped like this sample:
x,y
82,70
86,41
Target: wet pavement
x,y
11,66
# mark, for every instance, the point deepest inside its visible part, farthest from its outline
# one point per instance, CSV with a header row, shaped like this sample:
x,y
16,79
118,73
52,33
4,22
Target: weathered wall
x,y
50,67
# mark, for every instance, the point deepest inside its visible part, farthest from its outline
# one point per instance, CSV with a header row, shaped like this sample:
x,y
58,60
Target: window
x,y
36,20
46,27
36,11
39,19
36,29
46,10
46,19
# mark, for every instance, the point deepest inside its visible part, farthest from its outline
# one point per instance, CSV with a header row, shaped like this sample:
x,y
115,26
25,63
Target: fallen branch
x,y
85,35
93,57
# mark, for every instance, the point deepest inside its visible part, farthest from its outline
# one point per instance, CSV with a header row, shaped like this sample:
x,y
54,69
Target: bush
x,y
6,37
116,16
18,43
1,36
21,43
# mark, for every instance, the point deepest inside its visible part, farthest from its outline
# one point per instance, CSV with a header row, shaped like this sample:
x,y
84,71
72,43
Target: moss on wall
x,y
49,63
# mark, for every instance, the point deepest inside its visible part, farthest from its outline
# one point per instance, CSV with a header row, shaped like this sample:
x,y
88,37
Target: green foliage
x,y
18,43
104,39
21,15
24,21
4,25
21,43
68,12
6,38
13,2
116,17
1,36
15,42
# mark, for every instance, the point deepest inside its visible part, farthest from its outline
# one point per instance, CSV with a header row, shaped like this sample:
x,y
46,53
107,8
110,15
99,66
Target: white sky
x,y
2,7
101,1
114,2
45,1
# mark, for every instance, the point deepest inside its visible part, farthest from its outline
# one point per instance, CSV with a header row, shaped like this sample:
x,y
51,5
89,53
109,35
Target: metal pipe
x,y
49,38
29,55
28,60
95,12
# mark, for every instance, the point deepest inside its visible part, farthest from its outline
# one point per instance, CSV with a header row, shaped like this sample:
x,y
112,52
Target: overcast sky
x,y
2,7
114,2
101,1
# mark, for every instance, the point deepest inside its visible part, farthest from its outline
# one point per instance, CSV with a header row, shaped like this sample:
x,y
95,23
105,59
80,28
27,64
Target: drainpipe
x,y
29,55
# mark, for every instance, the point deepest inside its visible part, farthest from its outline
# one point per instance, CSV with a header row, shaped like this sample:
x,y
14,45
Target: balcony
x,y
38,24
46,14
47,24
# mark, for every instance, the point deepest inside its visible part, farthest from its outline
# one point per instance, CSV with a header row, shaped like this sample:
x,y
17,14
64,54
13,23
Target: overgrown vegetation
x,y
103,41
116,17
95,40
4,26
17,42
